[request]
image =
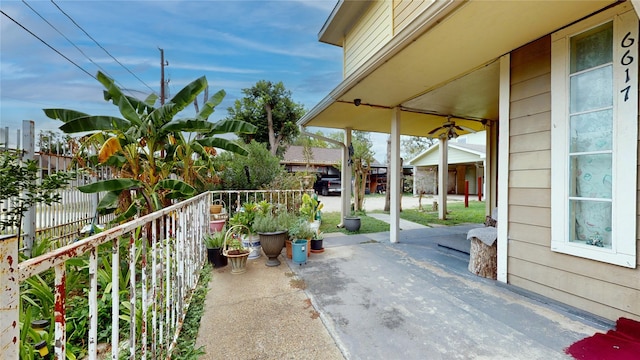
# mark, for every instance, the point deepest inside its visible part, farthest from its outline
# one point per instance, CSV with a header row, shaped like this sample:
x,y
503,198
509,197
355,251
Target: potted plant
x,y
301,230
317,242
246,217
233,249
272,236
310,210
213,242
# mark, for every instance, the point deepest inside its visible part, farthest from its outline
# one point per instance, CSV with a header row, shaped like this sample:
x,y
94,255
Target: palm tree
x,y
147,145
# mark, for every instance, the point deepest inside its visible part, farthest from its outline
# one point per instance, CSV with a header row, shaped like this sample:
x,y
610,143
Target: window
x,y
594,82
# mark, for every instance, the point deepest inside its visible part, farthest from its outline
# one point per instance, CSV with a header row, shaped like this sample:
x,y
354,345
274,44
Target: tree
x,y
270,108
361,160
412,146
303,140
134,145
19,183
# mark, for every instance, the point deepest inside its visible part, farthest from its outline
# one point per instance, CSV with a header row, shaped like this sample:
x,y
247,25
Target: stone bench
x,y
483,253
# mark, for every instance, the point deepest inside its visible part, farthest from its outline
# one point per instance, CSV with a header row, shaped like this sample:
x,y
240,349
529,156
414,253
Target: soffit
x,y
449,70
341,19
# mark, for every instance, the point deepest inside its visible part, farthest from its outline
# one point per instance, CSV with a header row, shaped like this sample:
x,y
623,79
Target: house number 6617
x,y
626,60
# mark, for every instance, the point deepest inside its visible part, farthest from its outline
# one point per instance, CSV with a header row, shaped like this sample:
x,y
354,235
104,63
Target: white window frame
x,y
625,140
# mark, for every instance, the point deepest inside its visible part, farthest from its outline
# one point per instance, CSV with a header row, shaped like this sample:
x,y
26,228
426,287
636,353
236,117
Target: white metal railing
x,y
233,199
165,255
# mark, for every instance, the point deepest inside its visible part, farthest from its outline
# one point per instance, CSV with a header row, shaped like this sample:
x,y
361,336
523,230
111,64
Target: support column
x,y
29,220
346,177
503,167
394,185
443,178
9,297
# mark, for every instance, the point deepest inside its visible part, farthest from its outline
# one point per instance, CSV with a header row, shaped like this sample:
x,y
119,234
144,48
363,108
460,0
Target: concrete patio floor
x,y
364,298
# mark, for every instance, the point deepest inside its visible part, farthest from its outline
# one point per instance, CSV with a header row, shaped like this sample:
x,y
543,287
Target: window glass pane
x,y
591,90
592,48
591,223
591,176
592,131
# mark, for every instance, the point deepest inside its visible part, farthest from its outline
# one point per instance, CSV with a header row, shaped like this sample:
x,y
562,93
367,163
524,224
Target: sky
x,y
233,43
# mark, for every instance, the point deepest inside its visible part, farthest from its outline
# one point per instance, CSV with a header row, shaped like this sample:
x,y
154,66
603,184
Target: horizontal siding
x,y
564,297
404,12
538,141
371,33
603,289
533,123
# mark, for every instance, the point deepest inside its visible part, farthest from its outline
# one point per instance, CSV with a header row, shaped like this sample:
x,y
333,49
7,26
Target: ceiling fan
x,y
449,129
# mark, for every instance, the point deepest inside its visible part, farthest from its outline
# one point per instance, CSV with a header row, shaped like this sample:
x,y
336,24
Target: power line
x,y
69,40
51,47
105,50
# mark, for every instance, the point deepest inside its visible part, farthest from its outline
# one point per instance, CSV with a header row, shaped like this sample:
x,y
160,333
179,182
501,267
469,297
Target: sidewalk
x,y
364,298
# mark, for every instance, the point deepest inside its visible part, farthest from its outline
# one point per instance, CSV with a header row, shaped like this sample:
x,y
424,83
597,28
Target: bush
x,y
252,172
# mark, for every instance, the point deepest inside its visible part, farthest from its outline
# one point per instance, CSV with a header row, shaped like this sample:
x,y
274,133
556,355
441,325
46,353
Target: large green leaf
x,y
109,200
131,211
119,99
94,123
64,115
176,186
186,96
233,126
209,106
224,144
188,125
110,185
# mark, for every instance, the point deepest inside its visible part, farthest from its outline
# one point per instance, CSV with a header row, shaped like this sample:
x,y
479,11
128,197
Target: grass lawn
x,y
456,214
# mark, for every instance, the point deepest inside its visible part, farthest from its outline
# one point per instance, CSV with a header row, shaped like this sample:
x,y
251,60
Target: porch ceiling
x,y
451,69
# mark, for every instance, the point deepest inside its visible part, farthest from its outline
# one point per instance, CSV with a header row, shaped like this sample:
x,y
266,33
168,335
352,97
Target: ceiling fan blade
x,y
434,130
466,129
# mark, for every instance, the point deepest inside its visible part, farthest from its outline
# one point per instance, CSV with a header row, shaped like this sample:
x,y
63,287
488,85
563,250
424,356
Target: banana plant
x,y
146,147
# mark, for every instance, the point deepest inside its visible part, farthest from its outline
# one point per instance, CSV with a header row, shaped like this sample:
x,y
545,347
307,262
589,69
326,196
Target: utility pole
x,y
162,82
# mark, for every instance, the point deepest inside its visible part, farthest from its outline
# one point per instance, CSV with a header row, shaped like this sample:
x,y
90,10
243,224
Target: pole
x,y
161,76
479,188
466,193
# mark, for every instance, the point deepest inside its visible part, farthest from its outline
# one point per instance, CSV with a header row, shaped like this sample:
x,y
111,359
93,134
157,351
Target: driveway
x,y
416,300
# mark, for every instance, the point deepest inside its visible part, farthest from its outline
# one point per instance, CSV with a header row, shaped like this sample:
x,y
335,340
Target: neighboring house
x,y
555,86
465,163
322,161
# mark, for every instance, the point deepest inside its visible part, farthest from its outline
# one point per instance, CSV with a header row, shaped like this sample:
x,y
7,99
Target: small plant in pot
x,y
310,210
273,234
317,242
213,242
301,230
233,249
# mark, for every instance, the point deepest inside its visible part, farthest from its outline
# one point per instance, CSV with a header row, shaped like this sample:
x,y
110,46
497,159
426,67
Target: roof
x,y
445,62
458,153
320,156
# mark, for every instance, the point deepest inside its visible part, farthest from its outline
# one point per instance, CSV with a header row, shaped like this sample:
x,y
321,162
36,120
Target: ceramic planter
x,y
216,225
272,244
216,258
352,223
316,245
253,244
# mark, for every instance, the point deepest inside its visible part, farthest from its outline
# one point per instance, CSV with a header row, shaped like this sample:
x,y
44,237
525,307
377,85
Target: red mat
x,y
623,343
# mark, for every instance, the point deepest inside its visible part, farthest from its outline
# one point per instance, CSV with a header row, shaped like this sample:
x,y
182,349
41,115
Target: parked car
x,y
328,185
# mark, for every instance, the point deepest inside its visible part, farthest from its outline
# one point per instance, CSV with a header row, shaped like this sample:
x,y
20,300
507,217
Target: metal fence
x,y
62,222
164,253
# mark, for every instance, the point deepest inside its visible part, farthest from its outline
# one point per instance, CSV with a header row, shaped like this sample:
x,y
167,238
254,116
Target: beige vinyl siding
x,y
406,11
606,290
370,34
